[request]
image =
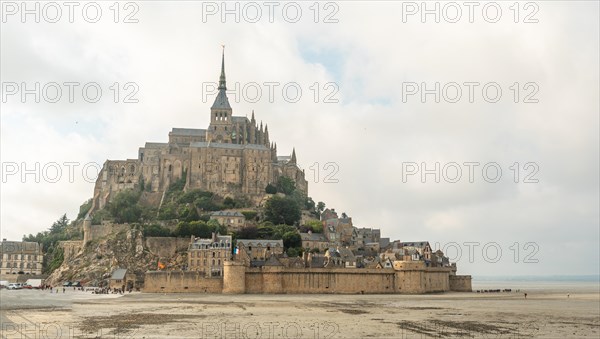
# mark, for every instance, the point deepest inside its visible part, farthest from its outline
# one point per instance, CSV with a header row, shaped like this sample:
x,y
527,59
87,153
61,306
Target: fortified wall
x,y
405,278
460,283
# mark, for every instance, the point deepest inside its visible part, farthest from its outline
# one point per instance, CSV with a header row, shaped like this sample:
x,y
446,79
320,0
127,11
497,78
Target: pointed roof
x,y
293,159
221,101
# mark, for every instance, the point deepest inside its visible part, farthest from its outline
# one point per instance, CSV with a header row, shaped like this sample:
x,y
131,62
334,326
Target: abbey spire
x,y
221,101
222,82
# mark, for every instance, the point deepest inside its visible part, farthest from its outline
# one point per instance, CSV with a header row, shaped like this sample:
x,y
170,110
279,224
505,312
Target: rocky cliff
x,y
123,248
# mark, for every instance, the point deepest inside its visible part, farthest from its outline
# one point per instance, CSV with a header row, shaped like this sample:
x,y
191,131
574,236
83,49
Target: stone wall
x,y
70,248
273,280
179,281
460,283
412,278
106,228
166,247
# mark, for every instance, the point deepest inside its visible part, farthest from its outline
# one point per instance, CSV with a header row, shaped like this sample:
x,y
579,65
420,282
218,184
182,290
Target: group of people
x,y
108,290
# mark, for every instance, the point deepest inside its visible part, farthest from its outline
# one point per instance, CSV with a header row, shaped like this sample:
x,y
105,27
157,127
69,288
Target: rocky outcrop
x,y
124,248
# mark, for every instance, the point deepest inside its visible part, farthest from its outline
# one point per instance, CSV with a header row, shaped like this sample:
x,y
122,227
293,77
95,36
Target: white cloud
x,y
369,134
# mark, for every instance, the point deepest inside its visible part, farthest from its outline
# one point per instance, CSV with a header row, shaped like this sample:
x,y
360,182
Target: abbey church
x,y
233,157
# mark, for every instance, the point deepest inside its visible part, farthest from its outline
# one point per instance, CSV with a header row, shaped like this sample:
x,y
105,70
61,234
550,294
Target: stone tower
x,y
221,123
87,229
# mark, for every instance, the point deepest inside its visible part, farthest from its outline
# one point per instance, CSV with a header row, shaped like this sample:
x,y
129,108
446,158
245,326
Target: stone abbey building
x,y
233,157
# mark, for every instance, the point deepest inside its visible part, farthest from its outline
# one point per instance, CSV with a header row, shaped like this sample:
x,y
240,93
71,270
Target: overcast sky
x,y
368,128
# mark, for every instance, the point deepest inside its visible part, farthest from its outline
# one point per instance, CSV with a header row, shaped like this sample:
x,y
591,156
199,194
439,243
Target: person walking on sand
x,y
525,295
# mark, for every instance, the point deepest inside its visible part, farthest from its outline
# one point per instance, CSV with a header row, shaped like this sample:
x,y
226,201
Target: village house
x,y
423,249
340,257
439,260
257,250
233,220
20,257
328,214
314,241
331,233
120,279
208,255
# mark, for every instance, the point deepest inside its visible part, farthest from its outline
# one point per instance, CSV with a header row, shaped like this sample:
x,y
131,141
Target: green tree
x,y
141,183
282,210
315,226
178,185
229,202
249,215
309,204
57,260
270,189
156,230
285,185
293,252
250,232
60,225
292,239
84,209
216,227
124,206
320,206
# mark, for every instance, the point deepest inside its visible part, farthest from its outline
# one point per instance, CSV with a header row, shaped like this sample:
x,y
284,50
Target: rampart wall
x,y
238,279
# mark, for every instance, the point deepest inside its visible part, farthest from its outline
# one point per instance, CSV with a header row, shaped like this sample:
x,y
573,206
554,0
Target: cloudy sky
x,y
385,94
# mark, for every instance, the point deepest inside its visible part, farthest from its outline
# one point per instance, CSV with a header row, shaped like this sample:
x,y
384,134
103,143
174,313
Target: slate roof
x,y
313,237
272,261
202,144
226,214
239,119
156,145
317,261
221,101
188,131
346,254
118,274
260,242
420,244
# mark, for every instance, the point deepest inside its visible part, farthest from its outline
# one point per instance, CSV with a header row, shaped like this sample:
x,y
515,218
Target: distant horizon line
x,y
567,277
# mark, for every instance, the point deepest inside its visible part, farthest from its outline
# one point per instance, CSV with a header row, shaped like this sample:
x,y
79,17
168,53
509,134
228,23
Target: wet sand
x,y
35,314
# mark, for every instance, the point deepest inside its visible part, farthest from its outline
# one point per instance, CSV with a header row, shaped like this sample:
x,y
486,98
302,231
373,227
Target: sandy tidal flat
x,y
37,314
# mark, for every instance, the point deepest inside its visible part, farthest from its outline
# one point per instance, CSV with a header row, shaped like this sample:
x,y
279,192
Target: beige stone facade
x,y
314,241
237,279
258,249
233,220
20,256
207,256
